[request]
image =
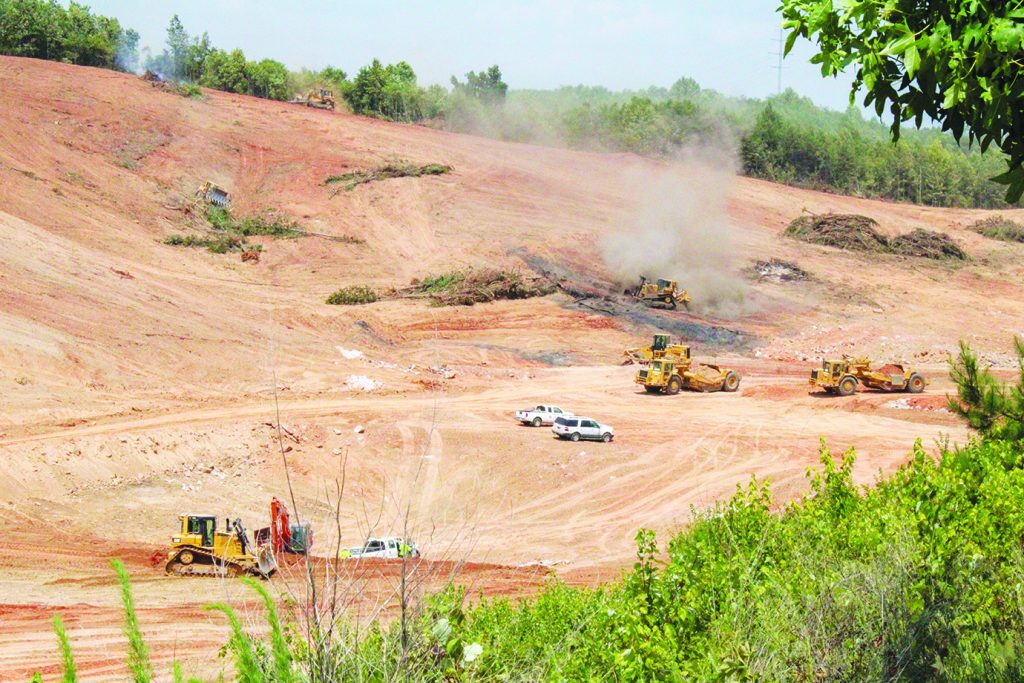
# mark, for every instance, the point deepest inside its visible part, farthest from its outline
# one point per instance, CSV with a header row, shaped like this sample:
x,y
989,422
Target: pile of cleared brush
x,y
999,228
927,244
468,287
844,231
401,169
853,232
353,296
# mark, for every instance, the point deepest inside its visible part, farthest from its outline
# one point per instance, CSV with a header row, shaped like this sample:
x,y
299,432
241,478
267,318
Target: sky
x,y
619,44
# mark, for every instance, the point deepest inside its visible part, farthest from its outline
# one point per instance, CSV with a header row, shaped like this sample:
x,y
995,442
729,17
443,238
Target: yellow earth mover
x,y
671,374
201,549
320,98
660,348
661,293
842,376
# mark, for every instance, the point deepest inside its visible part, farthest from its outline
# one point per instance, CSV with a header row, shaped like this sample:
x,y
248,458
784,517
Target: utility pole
x,y
778,67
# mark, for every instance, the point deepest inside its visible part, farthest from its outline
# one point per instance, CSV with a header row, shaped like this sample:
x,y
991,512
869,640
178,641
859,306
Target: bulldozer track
x,y
204,563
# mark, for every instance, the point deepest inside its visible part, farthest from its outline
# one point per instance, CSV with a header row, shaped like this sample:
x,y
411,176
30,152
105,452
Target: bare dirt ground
x,y
137,379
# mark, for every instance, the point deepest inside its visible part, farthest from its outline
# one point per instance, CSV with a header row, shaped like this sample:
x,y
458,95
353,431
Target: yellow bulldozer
x,y
841,377
200,549
660,293
320,98
671,373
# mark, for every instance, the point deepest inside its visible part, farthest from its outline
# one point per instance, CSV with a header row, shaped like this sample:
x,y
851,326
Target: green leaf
x,y
912,60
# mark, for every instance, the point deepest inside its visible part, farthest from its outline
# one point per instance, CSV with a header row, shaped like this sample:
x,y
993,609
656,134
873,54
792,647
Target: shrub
x,y
352,296
190,90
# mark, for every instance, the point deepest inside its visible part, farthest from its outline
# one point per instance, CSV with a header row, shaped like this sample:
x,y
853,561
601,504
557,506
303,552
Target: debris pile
x,y
777,270
465,288
927,244
402,169
851,232
998,228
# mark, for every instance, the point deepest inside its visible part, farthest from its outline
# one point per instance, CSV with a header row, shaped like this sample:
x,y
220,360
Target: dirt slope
x,y
136,378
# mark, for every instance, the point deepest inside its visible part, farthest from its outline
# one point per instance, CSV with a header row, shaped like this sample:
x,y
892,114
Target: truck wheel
x,y
606,437
674,385
915,385
847,386
732,381
536,422
575,436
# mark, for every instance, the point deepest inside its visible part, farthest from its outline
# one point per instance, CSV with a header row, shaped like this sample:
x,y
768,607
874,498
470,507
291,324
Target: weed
x,y
138,653
352,296
190,90
67,657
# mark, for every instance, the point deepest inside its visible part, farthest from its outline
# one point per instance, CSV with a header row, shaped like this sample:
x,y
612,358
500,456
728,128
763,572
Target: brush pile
x,y
844,231
402,169
999,228
927,244
465,288
860,233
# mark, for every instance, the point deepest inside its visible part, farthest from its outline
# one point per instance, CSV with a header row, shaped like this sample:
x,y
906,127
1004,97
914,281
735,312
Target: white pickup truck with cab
x,y
392,548
540,415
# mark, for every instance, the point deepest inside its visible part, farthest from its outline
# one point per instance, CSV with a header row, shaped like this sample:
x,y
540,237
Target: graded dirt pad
x,y
140,380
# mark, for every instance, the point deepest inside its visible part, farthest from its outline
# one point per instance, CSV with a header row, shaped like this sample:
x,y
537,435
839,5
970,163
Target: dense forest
x,y
785,138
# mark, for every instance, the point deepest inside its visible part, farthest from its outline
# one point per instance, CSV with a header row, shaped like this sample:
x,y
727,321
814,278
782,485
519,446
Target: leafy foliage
x,y
66,656
989,406
955,62
72,34
486,86
388,92
353,296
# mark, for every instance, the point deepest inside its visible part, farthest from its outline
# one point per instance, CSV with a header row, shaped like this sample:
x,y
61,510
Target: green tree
x,y
957,62
268,78
486,86
228,71
177,48
388,92
993,408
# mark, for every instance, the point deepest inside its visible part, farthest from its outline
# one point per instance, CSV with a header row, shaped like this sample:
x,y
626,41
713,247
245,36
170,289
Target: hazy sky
x,y
616,43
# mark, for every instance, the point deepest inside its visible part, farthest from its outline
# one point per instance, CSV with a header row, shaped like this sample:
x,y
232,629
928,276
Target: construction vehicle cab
x,y
201,549
662,347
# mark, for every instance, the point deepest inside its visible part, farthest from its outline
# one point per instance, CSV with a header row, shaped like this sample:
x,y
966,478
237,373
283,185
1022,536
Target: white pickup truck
x,y
382,547
540,415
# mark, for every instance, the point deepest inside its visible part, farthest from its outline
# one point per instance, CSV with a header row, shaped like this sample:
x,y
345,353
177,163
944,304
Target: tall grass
x,y
66,656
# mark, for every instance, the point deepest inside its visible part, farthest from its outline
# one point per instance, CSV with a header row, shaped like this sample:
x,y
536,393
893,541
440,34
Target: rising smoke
x,y
680,230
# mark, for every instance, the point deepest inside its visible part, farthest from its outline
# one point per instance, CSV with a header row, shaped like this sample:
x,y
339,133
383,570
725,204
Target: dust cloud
x,y
680,231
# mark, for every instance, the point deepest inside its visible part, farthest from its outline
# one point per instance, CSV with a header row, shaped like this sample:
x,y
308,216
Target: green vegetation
x,y
468,287
957,62
400,169
917,578
72,34
353,296
999,228
229,233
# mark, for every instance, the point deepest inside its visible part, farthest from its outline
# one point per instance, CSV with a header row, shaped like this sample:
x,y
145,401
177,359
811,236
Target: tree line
x,y
784,139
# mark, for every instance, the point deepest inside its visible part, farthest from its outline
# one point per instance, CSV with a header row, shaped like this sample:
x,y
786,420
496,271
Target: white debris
x,y
359,429
350,354
362,383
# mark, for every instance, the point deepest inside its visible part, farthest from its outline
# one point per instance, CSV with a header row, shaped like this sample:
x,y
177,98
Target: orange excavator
x,y
282,535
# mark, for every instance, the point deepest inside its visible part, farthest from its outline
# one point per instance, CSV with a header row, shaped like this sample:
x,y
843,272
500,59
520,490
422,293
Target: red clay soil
x,y
141,380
